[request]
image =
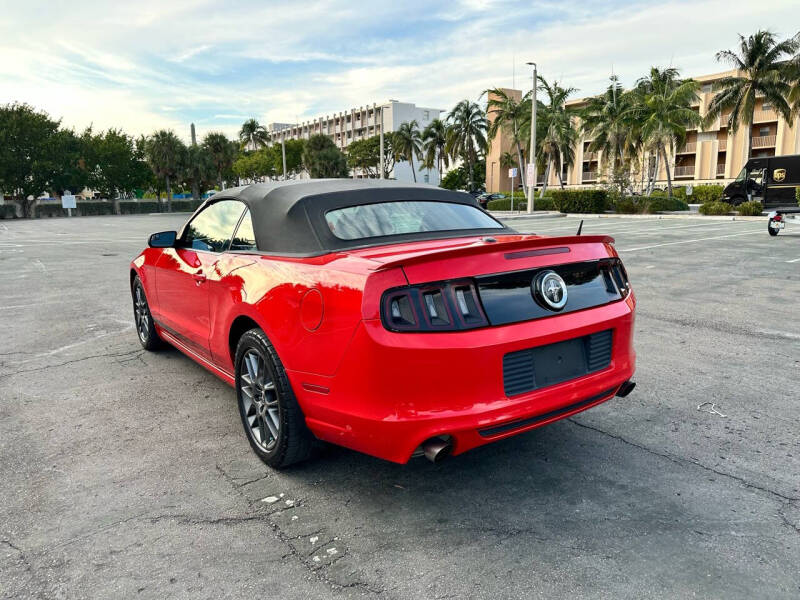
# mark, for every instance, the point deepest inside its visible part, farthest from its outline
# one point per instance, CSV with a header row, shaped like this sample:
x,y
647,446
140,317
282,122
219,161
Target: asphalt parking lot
x,y
127,474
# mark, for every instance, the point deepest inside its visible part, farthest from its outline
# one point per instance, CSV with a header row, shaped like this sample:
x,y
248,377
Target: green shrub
x,y
49,210
185,205
134,208
705,193
626,205
797,195
715,208
86,209
752,208
663,203
580,201
520,203
8,211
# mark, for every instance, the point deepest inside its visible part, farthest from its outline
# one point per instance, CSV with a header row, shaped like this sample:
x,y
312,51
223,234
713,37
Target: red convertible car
x,y
397,320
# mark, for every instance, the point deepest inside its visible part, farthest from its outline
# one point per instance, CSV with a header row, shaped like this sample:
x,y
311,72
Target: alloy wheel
x,y
142,314
260,400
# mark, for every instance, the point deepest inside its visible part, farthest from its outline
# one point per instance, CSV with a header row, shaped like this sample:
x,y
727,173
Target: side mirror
x,y
163,239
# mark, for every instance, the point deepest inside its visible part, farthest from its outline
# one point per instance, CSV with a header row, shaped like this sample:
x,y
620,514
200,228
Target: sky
x,y
151,64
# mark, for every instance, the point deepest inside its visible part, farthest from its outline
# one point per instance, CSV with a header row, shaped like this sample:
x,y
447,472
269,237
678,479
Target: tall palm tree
x,y
512,117
560,136
605,121
253,135
434,141
165,155
407,142
662,105
198,169
466,137
761,70
222,151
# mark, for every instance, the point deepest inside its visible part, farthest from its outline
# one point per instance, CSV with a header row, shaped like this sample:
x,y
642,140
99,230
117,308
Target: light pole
x,y
380,166
283,153
532,151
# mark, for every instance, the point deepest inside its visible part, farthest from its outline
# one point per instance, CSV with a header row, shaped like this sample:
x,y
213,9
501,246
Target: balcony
x,y
688,148
589,176
684,171
762,116
721,170
764,141
589,156
722,144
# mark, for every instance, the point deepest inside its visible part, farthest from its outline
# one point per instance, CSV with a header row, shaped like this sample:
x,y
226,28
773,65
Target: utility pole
x,y
283,152
383,175
532,151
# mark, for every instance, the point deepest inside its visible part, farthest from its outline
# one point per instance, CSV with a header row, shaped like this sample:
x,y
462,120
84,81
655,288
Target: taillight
x,y
445,306
616,276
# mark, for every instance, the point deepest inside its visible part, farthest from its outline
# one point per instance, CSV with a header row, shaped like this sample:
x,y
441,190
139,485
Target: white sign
x,y
530,173
68,201
512,172
689,190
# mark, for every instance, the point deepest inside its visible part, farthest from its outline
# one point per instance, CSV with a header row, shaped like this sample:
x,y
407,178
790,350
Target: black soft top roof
x,y
289,216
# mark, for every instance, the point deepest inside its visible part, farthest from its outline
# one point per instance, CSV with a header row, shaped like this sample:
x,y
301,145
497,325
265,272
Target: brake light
x,y
445,306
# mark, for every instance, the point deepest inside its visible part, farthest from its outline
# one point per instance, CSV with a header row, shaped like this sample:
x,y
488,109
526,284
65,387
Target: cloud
x,y
154,64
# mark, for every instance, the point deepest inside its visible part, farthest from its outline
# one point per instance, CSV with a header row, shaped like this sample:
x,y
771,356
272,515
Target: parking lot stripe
x,y
794,260
716,237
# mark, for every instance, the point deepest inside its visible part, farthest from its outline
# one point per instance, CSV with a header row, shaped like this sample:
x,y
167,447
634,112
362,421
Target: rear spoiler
x,y
483,247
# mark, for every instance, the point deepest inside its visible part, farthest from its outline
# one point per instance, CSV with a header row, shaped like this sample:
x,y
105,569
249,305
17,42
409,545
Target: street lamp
x,y
532,152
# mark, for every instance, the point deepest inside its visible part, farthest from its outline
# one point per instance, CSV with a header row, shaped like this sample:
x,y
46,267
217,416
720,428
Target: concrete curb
x,y
507,215
685,216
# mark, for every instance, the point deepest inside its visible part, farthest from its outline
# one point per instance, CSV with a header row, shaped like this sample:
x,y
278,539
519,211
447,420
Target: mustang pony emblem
x,y
779,175
550,289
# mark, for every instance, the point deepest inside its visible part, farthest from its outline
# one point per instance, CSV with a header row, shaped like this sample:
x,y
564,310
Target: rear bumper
x,y
395,390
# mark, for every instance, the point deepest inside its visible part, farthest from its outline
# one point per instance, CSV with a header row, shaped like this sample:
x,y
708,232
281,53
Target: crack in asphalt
x,y
719,327
318,571
75,360
683,461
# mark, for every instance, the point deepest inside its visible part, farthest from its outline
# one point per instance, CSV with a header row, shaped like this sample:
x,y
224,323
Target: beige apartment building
x,y
713,155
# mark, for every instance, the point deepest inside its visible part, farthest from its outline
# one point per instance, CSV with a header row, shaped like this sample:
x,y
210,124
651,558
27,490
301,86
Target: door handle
x,y
199,278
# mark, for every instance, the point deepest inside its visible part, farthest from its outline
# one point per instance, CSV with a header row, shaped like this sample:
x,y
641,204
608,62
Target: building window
x,y
426,115
707,88
764,131
766,106
427,178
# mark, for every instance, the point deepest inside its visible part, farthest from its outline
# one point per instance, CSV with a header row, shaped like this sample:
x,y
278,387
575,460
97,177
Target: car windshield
x,y
398,218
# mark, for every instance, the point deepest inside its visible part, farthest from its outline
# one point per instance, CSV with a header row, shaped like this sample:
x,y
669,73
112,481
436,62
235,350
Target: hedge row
x,y
715,208
643,205
8,211
753,208
700,193
580,201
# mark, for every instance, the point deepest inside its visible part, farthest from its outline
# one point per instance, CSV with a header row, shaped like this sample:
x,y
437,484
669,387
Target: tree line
x,y
627,127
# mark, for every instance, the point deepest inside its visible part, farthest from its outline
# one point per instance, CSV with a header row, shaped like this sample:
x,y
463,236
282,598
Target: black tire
x,y
261,405
737,200
771,231
145,328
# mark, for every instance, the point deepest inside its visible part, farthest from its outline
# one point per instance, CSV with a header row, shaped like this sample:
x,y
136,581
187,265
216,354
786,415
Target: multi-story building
x,y
712,155
363,122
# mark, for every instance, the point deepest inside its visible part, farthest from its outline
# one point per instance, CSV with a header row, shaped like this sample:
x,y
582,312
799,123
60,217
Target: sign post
x,y
530,175
512,172
68,202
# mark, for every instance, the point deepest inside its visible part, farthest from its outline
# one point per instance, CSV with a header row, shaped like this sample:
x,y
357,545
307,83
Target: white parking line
x,y
794,260
717,237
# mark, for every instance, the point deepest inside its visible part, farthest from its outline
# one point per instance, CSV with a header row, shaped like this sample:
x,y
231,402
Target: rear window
x,y
410,216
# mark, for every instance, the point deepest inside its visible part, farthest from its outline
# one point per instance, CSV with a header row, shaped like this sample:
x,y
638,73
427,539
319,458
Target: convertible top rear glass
x,y
402,218
291,218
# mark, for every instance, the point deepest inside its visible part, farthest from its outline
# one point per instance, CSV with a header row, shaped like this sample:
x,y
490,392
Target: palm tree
x,y
662,105
434,141
466,137
198,169
253,135
407,142
222,151
606,121
165,155
512,117
560,136
761,71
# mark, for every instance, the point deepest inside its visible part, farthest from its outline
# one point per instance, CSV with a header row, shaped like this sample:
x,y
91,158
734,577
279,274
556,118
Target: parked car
x,y
393,319
770,180
485,198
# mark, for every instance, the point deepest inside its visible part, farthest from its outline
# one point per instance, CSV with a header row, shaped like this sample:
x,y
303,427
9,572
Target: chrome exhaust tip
x,y
625,389
437,449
